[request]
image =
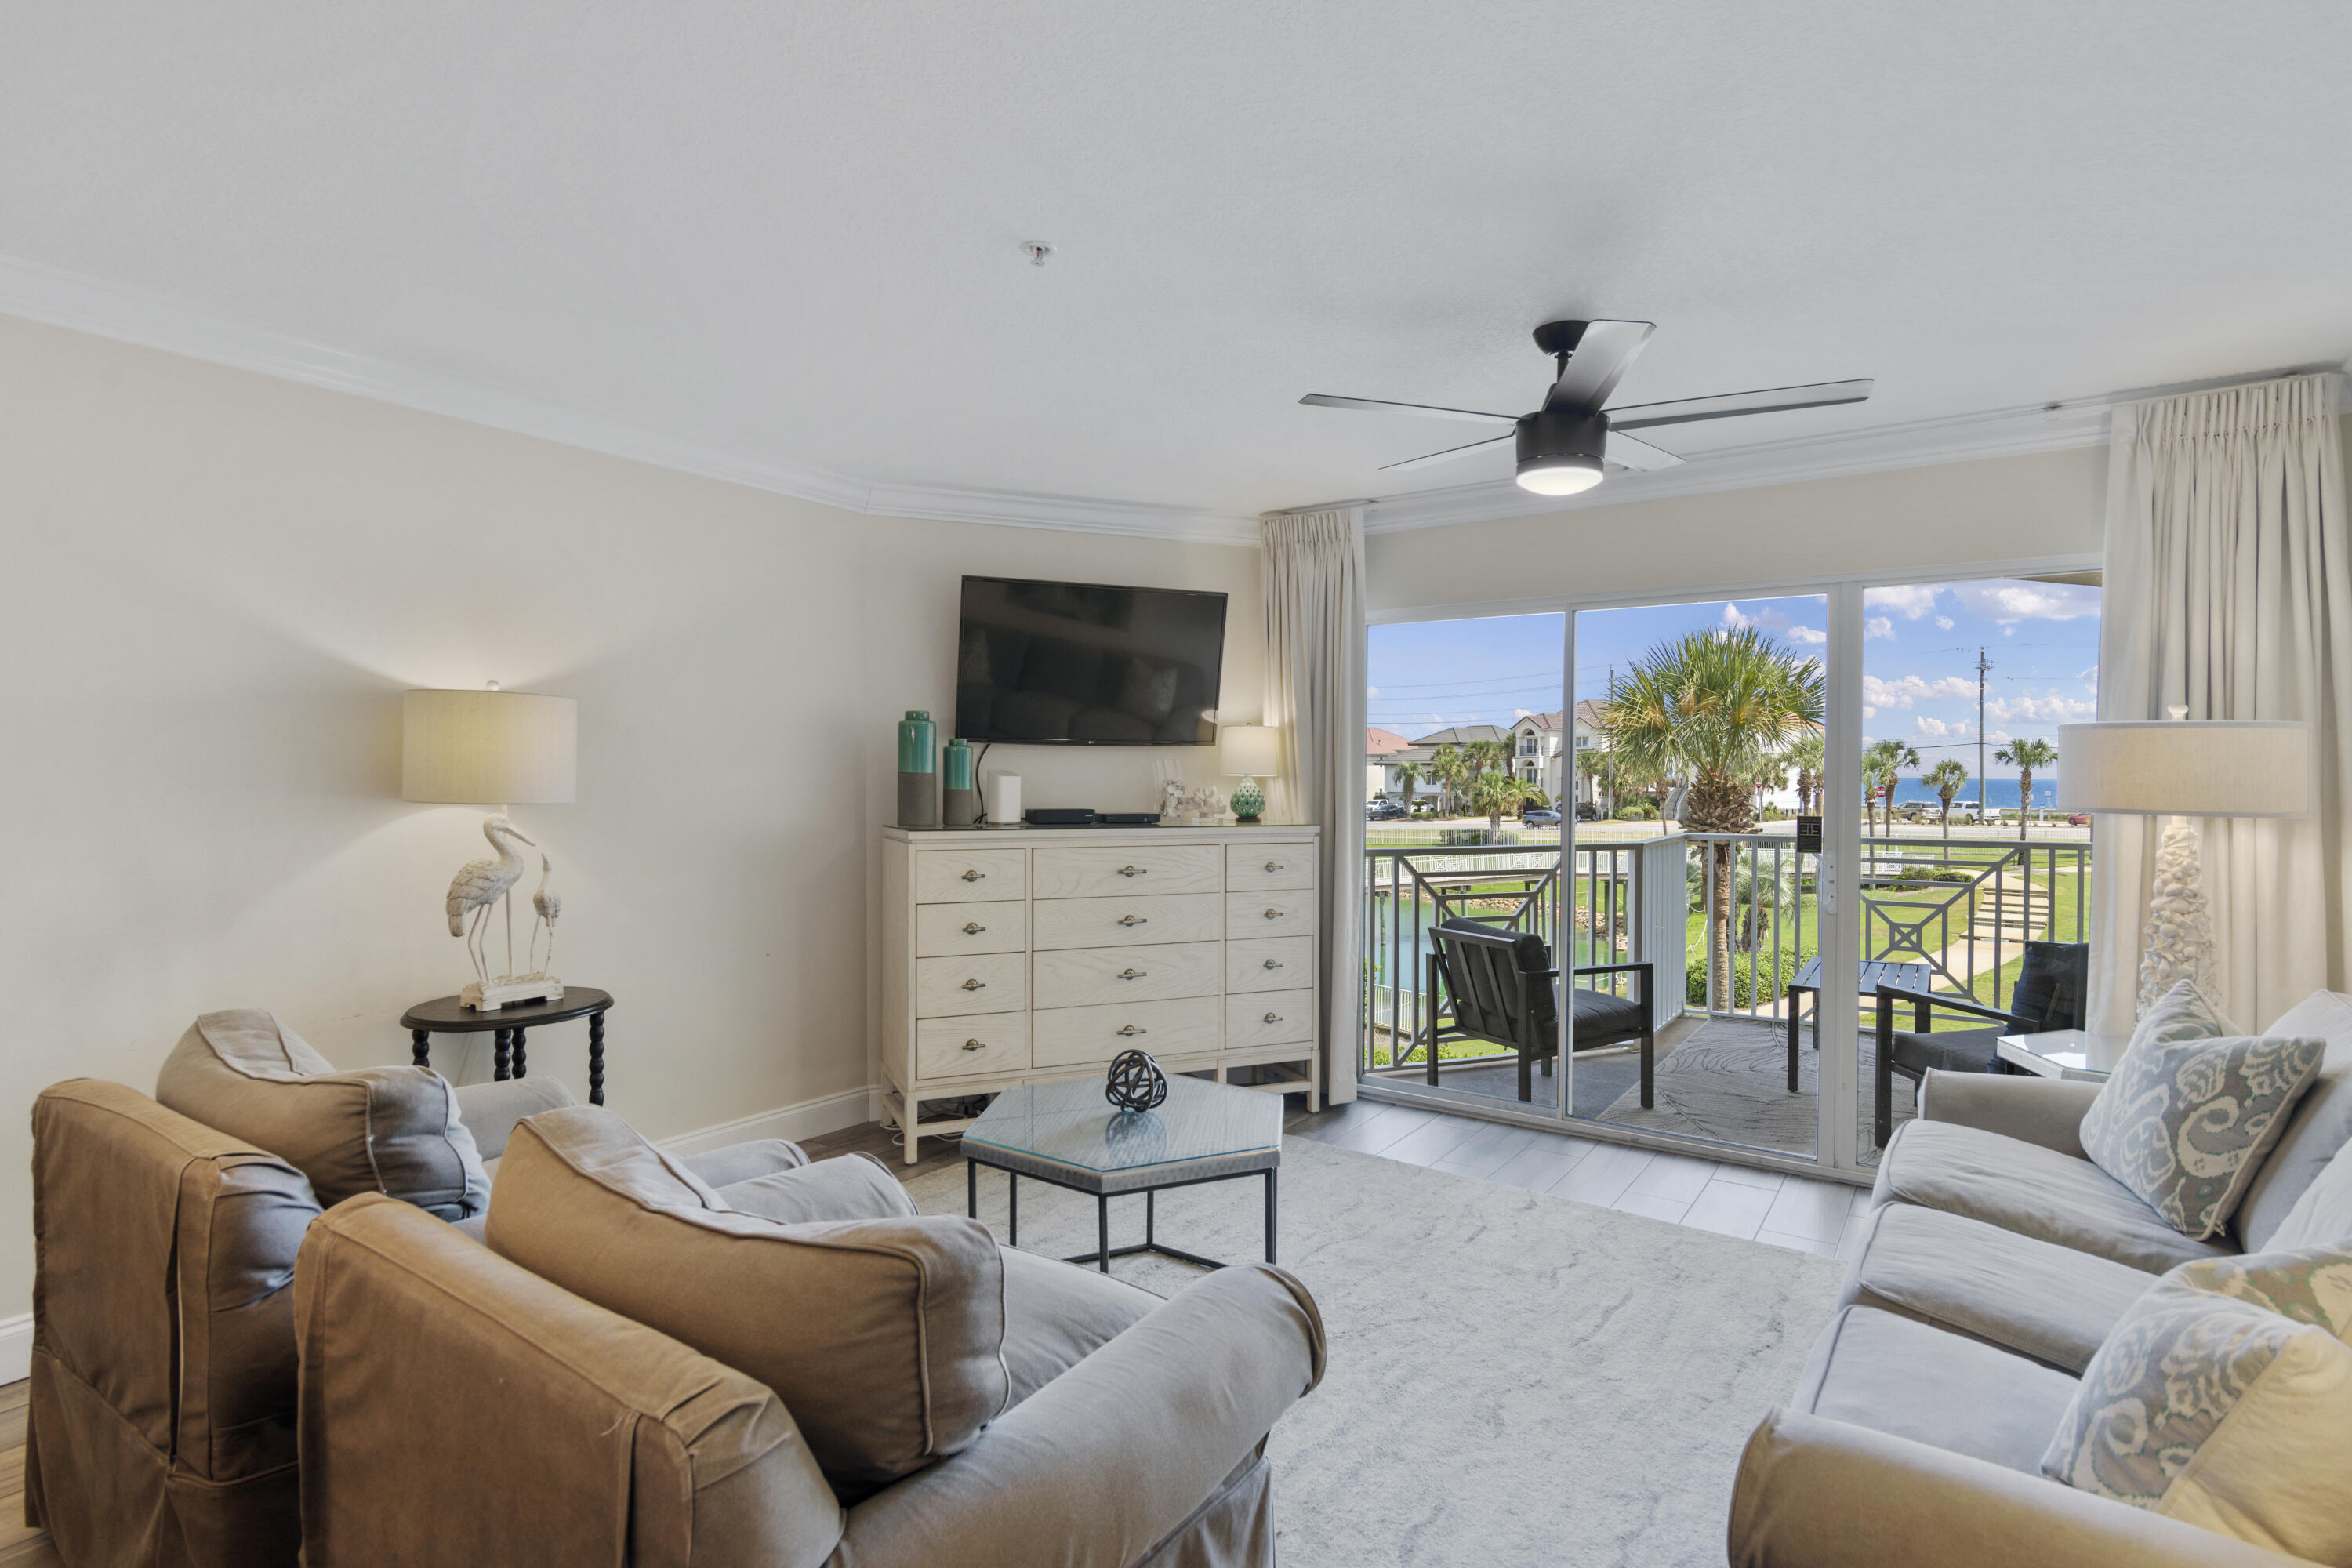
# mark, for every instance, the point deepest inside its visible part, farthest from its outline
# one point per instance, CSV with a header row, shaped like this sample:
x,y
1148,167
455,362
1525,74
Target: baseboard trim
x,y
809,1118
16,1348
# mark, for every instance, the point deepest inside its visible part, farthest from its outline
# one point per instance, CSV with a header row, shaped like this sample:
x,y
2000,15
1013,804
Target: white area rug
x,y
1514,1378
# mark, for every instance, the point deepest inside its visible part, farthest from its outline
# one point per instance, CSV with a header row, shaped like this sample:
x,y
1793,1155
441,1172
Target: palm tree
x,y
1408,777
1488,756
1496,792
1881,767
1714,705
1947,778
2026,754
1808,758
1447,765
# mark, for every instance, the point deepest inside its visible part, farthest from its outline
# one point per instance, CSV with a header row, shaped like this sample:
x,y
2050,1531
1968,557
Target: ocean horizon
x,y
1999,792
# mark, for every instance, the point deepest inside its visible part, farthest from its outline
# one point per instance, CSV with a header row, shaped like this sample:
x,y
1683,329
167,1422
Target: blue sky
x,y
1918,672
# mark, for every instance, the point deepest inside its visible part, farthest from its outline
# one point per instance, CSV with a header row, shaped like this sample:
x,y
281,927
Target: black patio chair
x,y
1504,989
2053,992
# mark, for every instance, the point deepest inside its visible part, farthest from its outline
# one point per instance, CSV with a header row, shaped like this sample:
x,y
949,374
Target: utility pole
x,y
1983,664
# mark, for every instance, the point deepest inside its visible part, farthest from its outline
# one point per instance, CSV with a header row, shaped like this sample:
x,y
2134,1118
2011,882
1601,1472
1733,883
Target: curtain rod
x,y
1320,506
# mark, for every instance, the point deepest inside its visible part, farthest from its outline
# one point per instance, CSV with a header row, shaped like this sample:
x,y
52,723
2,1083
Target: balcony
x,y
1963,908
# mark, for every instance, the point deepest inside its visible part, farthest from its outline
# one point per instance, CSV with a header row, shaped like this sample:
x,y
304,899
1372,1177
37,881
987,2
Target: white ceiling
x,y
790,233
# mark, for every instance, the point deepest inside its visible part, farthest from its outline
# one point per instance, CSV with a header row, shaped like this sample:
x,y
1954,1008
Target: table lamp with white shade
x,y
2181,771
502,749
1244,751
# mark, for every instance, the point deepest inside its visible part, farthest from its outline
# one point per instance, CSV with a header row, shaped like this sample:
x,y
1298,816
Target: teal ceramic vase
x,y
1248,801
955,774
919,770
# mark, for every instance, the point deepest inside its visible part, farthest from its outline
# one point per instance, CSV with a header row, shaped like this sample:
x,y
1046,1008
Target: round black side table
x,y
443,1016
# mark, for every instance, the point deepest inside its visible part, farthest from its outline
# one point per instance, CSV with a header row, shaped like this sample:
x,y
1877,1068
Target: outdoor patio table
x,y
1875,973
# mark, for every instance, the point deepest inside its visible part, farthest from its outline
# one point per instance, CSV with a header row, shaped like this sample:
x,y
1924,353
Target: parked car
x,y
2080,819
1540,817
1587,811
1383,810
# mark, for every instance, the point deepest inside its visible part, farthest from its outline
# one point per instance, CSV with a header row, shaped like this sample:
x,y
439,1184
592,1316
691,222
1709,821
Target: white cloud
x,y
1912,688
1371,691
2008,603
2051,708
1936,730
1943,623
1909,603
1808,635
2009,631
1878,626
1764,620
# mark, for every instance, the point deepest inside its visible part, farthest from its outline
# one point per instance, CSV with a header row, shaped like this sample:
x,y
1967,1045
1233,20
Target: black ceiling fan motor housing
x,y
1556,433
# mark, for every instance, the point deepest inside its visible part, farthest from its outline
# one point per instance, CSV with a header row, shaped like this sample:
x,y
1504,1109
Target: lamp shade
x,y
1248,750
489,748
2206,767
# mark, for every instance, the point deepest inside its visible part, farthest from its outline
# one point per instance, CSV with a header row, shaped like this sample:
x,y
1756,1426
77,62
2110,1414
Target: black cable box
x,y
1127,818
1059,816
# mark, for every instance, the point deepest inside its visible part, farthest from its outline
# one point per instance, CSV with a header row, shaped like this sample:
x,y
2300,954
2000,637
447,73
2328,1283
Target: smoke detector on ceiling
x,y
1036,251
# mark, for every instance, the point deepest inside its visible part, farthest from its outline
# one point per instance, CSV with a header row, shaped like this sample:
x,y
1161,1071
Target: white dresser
x,y
1044,953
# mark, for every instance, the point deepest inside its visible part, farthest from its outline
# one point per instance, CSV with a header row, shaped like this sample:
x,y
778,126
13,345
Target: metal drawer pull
x,y
1274,865
1273,914
1135,870
1134,919
1132,974
1131,1029
974,1045
974,876
975,984
1274,1017
1274,963
973,928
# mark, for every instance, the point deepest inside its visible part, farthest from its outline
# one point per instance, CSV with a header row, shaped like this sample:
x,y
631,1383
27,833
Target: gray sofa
x,y
1996,1258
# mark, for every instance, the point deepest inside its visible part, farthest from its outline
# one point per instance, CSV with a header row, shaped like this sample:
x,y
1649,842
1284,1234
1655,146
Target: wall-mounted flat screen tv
x,y
1084,664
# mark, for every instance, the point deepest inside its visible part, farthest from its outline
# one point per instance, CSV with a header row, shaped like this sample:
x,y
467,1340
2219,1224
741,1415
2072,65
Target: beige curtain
x,y
1313,575
2227,590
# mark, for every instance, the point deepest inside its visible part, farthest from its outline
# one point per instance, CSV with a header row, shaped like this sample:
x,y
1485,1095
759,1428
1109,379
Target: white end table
x,y
2063,1053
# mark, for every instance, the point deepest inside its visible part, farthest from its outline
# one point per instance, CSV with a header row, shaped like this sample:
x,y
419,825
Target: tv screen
x,y
1084,664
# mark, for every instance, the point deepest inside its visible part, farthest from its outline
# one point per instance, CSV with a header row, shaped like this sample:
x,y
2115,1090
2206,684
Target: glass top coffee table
x,y
1064,1133
2063,1053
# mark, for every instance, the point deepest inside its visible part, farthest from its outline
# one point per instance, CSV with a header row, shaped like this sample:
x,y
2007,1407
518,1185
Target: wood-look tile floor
x,y
1797,1212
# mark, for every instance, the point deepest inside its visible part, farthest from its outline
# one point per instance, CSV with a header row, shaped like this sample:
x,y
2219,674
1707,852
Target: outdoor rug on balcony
x,y
1513,1378
1729,1081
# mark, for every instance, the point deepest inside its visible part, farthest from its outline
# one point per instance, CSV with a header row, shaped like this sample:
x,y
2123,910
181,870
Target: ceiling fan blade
x,y
1771,400
1452,452
1639,456
1601,359
1324,400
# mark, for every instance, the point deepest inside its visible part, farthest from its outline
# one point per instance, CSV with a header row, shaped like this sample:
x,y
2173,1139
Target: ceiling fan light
x,y
1560,476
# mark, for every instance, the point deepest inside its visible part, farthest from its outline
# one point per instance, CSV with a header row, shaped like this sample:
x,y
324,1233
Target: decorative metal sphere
x,y
1135,1082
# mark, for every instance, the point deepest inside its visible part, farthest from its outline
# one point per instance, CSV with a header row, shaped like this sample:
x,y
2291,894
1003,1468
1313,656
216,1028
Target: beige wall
x,y
2036,507
217,585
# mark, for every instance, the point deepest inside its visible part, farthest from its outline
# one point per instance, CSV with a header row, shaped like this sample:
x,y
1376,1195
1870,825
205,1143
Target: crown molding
x,y
1922,443
63,298
1075,514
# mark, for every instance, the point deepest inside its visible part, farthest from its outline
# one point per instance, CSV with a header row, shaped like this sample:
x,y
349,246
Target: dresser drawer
x,y
1107,873
981,982
944,928
961,1048
1274,914
1065,1036
1277,1018
1270,963
970,876
1124,922
1252,866
1085,976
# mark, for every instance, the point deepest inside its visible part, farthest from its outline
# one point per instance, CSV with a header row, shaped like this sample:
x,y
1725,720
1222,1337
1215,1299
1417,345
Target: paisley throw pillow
x,y
2190,1110
2217,1400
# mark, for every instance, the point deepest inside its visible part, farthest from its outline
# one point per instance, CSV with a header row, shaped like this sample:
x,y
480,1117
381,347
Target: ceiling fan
x,y
1562,444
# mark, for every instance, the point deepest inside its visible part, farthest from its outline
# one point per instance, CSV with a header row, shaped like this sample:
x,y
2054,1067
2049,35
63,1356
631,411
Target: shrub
x,y
1466,837
1637,811
1743,994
